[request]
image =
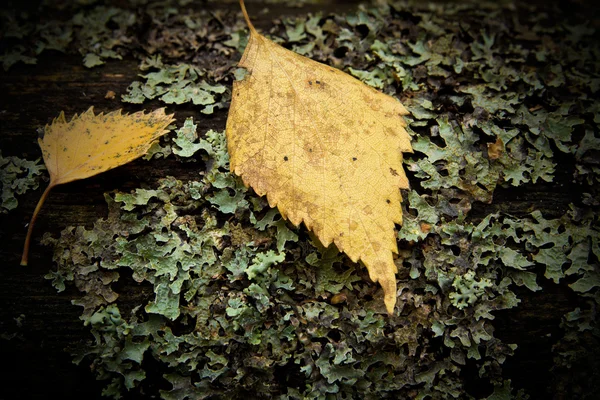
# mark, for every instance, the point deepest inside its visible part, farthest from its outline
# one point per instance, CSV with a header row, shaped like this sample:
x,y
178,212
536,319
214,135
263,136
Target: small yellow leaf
x,y
325,148
90,144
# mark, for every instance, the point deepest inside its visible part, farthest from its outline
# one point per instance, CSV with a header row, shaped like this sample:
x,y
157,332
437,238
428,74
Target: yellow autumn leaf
x,y
90,144
325,149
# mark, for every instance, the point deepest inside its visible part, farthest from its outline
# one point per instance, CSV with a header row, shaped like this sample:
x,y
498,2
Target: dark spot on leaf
x,y
394,172
285,158
354,158
318,82
310,82
388,201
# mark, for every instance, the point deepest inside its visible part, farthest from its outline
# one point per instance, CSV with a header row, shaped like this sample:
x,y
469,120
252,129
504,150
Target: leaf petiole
x,y
25,256
247,18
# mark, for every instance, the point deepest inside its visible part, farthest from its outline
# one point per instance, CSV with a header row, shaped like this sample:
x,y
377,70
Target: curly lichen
x,y
17,176
255,304
175,84
467,289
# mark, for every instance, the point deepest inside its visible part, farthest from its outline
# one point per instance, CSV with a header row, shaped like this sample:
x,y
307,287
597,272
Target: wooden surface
x,y
38,364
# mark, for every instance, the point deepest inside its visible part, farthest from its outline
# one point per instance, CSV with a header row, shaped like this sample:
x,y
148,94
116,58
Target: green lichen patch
x,y
227,305
175,84
17,176
99,32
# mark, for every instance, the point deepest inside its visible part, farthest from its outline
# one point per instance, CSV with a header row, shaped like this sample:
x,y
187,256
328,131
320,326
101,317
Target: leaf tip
x,y
61,119
88,112
389,296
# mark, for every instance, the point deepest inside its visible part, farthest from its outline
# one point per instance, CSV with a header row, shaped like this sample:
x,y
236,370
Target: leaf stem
x,y
25,256
247,18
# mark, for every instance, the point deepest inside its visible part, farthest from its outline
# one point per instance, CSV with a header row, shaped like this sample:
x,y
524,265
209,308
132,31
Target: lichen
x,y
467,289
175,84
17,176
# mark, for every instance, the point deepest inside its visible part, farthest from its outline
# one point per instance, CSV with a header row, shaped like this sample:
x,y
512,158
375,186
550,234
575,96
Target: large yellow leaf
x,y
325,149
90,144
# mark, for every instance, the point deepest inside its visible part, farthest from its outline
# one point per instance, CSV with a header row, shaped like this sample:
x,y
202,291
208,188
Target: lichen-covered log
x,y
168,278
